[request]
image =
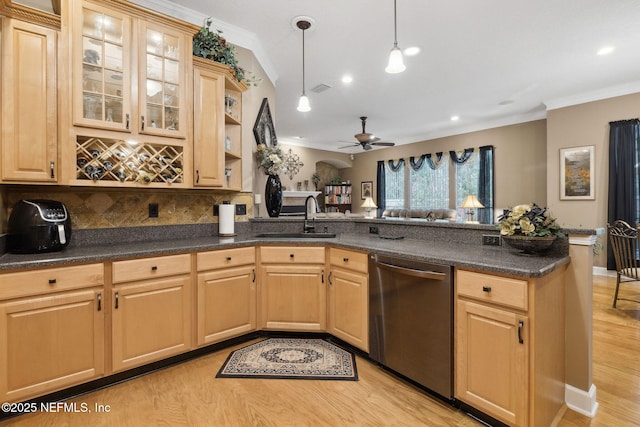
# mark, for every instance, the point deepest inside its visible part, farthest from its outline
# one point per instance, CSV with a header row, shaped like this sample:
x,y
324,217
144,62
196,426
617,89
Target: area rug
x,y
291,358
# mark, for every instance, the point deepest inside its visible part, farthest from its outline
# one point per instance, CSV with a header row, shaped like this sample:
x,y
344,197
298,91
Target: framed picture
x,y
366,189
263,129
577,175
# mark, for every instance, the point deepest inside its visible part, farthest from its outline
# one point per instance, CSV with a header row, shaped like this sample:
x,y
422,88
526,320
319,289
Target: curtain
x,y
380,188
624,155
417,165
465,156
486,185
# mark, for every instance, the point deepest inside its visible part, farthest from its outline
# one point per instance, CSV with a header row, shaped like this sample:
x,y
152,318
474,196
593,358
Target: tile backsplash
x,y
106,208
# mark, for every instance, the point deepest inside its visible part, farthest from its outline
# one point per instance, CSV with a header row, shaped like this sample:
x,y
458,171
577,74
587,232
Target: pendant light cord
x,y
303,84
395,26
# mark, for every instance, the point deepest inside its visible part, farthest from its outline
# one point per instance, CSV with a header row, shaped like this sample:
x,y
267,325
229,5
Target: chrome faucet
x,y
309,227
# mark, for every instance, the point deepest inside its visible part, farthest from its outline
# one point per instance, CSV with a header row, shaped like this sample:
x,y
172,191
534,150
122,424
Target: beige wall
x,y
520,160
578,125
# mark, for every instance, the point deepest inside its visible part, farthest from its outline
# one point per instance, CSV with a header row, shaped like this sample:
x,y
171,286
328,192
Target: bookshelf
x,y
337,197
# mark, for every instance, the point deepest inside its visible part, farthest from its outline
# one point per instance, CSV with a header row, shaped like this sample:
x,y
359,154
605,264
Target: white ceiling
x,y
490,62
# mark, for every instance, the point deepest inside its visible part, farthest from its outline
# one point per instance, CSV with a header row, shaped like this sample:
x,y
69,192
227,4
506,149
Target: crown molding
x,y
596,95
234,34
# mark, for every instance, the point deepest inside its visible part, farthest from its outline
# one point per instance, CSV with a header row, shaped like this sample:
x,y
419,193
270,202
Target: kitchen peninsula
x,y
171,266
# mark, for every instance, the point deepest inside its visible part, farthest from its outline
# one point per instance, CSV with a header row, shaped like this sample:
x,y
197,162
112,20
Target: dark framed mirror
x,y
263,129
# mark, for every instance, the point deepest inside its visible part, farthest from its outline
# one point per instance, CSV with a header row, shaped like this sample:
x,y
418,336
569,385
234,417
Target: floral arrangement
x,y
211,45
270,159
528,220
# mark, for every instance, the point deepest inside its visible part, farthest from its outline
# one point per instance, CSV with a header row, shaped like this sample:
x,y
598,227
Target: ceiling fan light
x,y
396,62
303,104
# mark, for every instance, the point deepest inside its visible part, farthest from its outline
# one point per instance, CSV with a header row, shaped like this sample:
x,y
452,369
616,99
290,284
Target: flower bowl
x,y
530,245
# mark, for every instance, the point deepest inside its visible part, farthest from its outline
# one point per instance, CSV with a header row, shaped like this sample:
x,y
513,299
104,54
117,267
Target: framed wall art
x,y
577,174
366,189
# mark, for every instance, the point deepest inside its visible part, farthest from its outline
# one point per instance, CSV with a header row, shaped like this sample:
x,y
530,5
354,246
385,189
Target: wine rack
x,y
114,160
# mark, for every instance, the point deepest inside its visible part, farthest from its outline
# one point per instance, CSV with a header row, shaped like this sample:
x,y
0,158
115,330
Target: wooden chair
x,y
624,244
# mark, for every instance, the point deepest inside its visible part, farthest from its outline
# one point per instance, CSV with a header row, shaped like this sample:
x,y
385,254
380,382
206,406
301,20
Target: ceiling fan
x,y
366,140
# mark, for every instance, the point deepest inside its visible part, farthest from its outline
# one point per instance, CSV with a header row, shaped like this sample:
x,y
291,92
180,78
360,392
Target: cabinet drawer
x,y
357,261
225,258
24,283
291,255
494,289
147,268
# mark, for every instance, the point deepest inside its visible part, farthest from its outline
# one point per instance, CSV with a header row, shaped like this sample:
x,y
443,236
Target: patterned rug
x,y
291,358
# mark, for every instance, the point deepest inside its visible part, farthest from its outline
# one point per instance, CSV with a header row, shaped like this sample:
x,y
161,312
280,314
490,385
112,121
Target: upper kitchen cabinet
x,y
116,56
29,120
217,114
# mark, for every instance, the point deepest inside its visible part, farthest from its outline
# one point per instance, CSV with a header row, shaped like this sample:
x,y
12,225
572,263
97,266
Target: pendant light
x,y
396,63
303,104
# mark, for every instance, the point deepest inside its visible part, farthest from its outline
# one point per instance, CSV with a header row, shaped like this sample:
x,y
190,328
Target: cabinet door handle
x,y
330,282
154,268
197,176
322,276
99,302
254,275
52,281
520,326
142,122
126,123
486,289
52,166
116,297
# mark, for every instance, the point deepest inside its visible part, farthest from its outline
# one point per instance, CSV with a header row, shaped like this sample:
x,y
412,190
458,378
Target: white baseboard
x,y
581,401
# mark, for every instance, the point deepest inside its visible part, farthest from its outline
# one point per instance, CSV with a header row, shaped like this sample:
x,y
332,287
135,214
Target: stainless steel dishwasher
x,y
411,320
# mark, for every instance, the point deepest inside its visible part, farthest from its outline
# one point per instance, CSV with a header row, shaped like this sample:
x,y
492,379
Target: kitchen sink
x,y
278,235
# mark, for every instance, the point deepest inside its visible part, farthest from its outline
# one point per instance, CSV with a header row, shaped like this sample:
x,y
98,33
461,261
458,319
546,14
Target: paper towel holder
x,y
226,219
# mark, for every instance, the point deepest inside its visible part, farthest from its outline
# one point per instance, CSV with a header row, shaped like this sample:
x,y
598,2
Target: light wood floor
x,y
190,395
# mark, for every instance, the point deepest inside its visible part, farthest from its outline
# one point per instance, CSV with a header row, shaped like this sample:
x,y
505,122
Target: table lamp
x,y
368,204
470,203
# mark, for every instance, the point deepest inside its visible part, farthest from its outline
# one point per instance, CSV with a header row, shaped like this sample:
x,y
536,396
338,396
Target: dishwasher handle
x,y
412,272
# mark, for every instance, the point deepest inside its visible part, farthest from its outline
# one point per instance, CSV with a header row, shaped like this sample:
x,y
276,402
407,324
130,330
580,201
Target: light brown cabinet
x,y
510,346
217,117
130,80
51,330
292,288
29,120
227,289
151,315
349,297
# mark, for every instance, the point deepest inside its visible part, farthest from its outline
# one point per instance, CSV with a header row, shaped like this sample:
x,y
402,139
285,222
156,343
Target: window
x,y
466,178
394,185
429,182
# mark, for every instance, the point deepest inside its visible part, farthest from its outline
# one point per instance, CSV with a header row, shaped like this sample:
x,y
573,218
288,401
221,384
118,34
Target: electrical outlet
x,y
491,239
153,210
215,210
373,230
241,209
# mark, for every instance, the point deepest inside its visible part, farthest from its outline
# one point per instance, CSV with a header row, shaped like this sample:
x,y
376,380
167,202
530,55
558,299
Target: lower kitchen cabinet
x,y
151,317
349,297
51,330
510,346
292,291
226,301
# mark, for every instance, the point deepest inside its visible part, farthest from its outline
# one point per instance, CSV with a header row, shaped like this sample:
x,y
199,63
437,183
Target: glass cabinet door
x,y
101,58
162,82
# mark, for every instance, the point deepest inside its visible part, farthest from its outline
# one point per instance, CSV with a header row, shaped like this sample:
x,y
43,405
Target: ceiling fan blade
x,y
348,146
384,144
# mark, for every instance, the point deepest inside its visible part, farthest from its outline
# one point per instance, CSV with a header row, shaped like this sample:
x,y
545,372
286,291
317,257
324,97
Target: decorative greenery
x,y
315,178
270,159
211,45
528,220
336,180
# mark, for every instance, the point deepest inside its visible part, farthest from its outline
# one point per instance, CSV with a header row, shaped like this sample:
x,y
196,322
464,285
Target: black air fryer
x,y
38,226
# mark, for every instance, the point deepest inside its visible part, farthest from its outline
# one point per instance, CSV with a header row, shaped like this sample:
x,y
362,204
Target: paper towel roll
x,y
227,216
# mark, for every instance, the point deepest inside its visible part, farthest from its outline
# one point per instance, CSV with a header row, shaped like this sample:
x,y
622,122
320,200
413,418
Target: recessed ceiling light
x,y
606,50
412,51
455,118
346,79
299,137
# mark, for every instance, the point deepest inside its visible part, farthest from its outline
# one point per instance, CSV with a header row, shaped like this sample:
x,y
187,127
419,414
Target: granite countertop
x,y
491,259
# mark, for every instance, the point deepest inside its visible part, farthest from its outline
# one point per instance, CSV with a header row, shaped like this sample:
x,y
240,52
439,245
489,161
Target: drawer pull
x,y
345,259
520,326
154,268
486,289
228,258
290,255
52,281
